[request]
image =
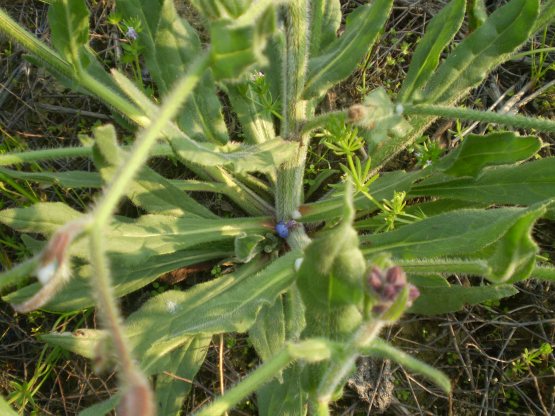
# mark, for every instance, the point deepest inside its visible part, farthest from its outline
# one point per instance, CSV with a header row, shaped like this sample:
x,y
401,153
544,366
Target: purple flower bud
x,y
387,286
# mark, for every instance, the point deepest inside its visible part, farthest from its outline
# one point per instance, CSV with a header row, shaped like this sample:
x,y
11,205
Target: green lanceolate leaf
x,y
221,9
71,179
127,278
43,218
136,239
337,61
240,158
247,246
382,349
149,190
283,397
514,257
477,152
524,184
153,338
171,44
18,274
233,52
439,32
454,233
544,272
227,304
82,341
172,372
477,13
102,408
267,335
172,386
419,211
489,45
237,44
256,120
325,18
435,300
69,23
5,408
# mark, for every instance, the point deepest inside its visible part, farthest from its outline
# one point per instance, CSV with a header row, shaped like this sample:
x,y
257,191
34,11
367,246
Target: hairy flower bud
x,y
53,271
387,286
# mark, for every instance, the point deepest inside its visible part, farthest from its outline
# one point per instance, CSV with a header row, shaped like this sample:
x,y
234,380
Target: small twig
x,y
221,365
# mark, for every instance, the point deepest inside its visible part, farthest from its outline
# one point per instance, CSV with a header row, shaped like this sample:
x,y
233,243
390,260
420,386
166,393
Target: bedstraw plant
x,y
315,280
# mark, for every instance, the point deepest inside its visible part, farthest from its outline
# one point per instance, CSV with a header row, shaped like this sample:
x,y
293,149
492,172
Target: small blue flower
x,y
282,229
131,33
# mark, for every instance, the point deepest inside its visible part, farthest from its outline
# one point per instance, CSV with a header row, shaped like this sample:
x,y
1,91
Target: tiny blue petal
x,y
131,33
282,230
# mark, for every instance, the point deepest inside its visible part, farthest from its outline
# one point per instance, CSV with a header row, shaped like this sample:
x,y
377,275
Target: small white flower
x,y
298,263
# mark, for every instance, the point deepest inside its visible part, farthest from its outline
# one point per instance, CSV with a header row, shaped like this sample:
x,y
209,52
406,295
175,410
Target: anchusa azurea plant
x,y
315,280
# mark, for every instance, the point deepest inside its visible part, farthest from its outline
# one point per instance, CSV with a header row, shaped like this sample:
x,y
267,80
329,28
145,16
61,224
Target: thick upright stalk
x,y
289,187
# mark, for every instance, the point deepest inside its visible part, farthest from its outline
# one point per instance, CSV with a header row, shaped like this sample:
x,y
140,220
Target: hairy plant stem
x,y
342,366
256,9
322,120
289,186
29,42
255,380
107,205
544,273
462,113
312,350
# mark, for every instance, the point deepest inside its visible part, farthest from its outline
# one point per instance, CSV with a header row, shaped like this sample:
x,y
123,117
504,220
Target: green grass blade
x,y
382,349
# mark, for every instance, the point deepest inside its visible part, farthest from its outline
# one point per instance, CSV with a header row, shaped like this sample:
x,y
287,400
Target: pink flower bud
x,y
413,293
375,280
396,276
390,293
